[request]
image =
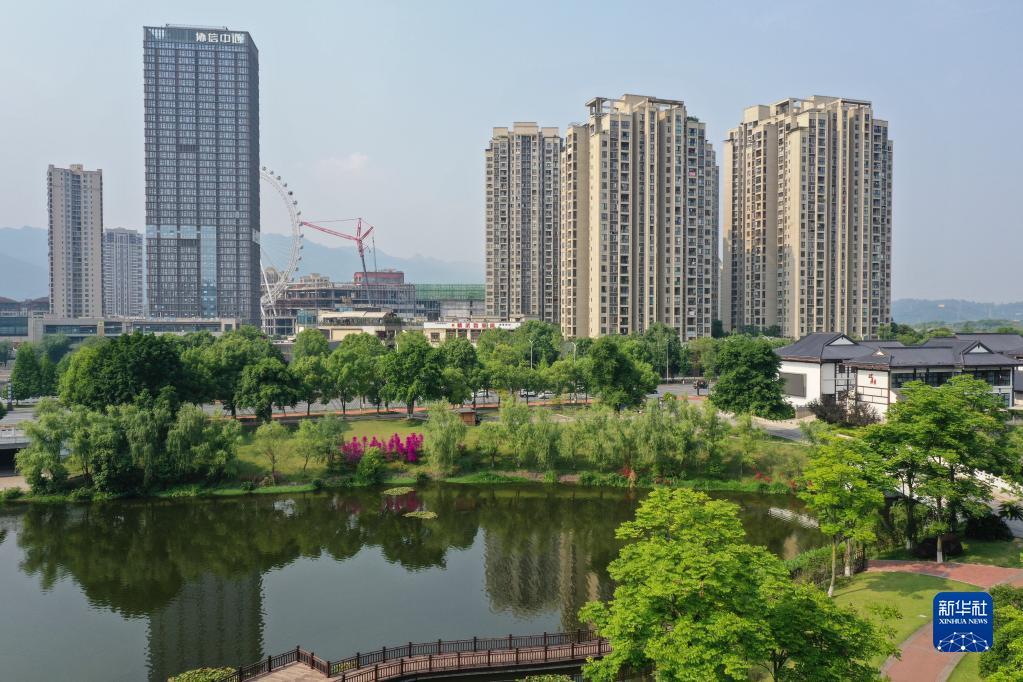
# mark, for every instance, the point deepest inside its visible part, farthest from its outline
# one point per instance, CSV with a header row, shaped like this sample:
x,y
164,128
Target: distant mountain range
x,y
24,263
916,310
340,262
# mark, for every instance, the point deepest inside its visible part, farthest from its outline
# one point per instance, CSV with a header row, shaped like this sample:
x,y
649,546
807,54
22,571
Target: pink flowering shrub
x,y
395,448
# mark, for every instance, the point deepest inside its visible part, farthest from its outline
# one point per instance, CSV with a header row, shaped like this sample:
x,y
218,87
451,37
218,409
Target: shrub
x,y
842,411
371,469
248,486
11,494
612,479
80,495
928,547
550,477
203,675
317,484
987,527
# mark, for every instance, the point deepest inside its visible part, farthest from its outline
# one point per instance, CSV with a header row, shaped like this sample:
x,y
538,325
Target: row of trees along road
x,y
244,369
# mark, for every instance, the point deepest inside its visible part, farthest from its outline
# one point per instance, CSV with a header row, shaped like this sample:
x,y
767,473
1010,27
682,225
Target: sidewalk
x,y
920,662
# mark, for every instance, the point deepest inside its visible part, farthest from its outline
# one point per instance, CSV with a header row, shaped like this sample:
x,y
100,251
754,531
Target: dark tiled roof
x,y
999,343
947,353
951,352
818,346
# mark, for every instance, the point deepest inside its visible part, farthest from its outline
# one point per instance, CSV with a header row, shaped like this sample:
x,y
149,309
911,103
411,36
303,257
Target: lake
x,y
134,590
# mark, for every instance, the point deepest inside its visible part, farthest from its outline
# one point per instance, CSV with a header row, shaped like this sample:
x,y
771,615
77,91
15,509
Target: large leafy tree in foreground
x,y
694,602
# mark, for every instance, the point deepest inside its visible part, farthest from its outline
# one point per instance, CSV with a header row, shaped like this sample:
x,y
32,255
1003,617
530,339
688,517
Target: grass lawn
x,y
992,552
968,669
252,463
911,595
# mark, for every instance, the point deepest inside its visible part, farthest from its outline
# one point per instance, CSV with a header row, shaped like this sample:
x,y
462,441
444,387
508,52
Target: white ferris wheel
x,y
279,258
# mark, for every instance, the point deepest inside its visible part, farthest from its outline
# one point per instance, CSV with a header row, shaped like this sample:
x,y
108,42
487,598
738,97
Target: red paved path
x,y
920,662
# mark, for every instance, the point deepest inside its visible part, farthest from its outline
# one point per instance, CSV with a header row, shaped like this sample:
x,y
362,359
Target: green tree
x,y
455,386
55,346
444,436
1004,662
844,488
320,440
26,377
226,359
748,379
201,447
6,352
750,437
694,602
115,372
310,343
41,463
962,429
413,371
313,381
266,384
619,380
144,424
269,441
364,353
663,350
703,356
506,371
537,342
459,353
489,440
567,376
713,434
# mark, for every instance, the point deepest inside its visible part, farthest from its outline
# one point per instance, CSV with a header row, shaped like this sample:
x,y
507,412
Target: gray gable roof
x,y
821,346
1009,344
956,352
950,353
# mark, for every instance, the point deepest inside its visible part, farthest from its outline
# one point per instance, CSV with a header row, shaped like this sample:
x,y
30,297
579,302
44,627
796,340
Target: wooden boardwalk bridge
x,y
424,660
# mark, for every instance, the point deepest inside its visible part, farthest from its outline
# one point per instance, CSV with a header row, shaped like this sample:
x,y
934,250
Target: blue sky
x,y
383,109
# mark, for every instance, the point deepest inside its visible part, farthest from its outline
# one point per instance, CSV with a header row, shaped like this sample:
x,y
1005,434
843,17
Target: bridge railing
x,y
438,656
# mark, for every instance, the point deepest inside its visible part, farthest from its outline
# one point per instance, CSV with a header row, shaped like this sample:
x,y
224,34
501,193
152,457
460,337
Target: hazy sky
x,y
383,109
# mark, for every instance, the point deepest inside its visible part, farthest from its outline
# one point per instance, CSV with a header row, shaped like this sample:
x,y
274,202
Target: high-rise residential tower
x,y
639,225
122,273
75,199
202,172
522,222
808,219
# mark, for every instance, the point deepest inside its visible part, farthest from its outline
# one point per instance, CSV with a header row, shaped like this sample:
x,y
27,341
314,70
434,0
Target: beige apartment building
x,y
808,219
522,222
75,200
639,225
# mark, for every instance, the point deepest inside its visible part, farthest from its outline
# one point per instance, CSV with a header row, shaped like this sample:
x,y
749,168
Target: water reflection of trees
x,y
189,564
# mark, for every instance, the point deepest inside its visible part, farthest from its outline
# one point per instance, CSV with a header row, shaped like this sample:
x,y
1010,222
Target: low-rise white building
x,y
825,366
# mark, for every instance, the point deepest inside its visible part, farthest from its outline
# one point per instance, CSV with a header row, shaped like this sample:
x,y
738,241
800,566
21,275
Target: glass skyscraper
x,y
202,172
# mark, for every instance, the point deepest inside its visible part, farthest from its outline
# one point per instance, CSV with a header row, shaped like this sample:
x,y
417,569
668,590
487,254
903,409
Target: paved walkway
x,y
296,672
920,662
12,481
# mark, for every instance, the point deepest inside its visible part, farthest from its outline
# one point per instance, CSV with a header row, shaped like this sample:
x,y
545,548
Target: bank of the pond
x,y
478,478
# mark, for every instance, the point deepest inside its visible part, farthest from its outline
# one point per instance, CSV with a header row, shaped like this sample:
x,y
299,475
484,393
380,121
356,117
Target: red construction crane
x,y
360,242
